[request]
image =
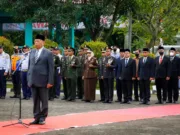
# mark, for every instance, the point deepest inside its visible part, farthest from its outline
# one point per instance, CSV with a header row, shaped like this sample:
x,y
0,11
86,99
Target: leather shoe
x,y
42,122
158,102
34,122
13,96
3,97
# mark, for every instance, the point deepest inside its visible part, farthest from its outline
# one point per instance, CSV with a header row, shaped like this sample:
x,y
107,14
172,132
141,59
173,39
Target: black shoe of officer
x,y
13,96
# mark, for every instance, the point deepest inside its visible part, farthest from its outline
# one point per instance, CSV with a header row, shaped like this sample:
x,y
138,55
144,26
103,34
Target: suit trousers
x,y
65,88
16,80
101,86
109,88
52,90
80,87
71,88
137,93
173,90
58,85
145,89
119,89
127,90
2,83
161,84
40,100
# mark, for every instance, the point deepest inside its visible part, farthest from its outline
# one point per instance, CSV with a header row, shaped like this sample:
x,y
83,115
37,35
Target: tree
x,y
156,18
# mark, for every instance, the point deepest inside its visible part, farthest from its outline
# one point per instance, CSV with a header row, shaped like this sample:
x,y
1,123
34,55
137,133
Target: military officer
x,y
63,67
24,69
52,90
70,74
101,63
107,74
4,69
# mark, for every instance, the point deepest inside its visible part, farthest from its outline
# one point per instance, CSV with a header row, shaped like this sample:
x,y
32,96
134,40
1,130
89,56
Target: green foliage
x,y
96,47
7,45
49,43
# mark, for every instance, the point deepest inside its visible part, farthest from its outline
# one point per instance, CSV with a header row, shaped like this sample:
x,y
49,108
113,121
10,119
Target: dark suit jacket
x,y
41,73
162,70
108,72
118,68
101,63
175,67
146,70
128,71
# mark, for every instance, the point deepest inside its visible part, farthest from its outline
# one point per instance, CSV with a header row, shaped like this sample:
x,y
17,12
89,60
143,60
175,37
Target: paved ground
x,y
161,126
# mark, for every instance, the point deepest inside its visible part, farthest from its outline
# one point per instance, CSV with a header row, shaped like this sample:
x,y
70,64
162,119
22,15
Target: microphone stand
x,y
20,110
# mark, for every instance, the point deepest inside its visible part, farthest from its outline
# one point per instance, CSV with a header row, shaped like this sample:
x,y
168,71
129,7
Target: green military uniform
x,y
64,64
71,76
52,91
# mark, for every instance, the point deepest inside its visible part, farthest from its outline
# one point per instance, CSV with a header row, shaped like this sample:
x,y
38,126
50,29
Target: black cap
x,y
71,49
127,50
160,47
109,48
172,49
122,50
146,49
41,37
25,47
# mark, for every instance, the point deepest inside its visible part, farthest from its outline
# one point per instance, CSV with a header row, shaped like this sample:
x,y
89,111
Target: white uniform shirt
x,y
4,62
25,62
59,68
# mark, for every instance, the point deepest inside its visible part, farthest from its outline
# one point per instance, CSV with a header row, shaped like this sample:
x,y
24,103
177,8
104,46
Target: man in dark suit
x,y
117,74
127,74
101,63
70,75
40,78
175,75
162,75
145,75
108,76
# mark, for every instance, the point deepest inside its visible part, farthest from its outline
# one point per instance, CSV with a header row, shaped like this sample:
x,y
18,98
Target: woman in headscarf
x,y
90,77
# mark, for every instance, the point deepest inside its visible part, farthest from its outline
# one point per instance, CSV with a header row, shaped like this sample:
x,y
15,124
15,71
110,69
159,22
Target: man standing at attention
x,y
40,78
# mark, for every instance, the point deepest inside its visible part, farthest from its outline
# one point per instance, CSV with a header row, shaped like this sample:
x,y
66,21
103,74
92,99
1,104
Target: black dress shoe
x,y
106,101
23,98
34,122
13,96
71,100
128,102
42,122
51,99
3,97
175,102
158,102
101,100
27,98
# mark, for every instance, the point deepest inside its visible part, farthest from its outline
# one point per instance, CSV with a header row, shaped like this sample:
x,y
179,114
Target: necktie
x,y
160,60
126,61
144,61
36,55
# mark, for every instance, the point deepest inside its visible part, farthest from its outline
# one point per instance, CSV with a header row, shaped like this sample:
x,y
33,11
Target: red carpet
x,y
91,118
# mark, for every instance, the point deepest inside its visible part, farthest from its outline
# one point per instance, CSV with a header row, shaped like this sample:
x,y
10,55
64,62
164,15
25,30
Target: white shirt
x,y
25,62
5,62
39,51
59,68
161,57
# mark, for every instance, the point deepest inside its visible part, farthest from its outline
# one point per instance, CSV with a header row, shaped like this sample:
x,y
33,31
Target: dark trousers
x,y
145,89
80,87
173,89
52,90
119,89
108,88
101,86
137,93
127,90
2,83
161,84
65,88
71,88
58,85
25,88
16,79
40,100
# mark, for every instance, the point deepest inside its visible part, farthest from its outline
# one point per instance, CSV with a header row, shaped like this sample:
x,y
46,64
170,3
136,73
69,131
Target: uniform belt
x,y
24,70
